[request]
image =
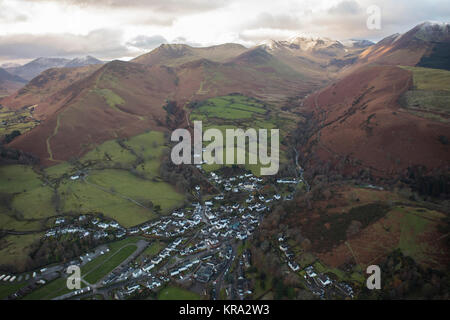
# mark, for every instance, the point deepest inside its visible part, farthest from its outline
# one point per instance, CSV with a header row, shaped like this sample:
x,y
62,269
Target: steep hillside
x,y
120,99
360,125
39,91
424,45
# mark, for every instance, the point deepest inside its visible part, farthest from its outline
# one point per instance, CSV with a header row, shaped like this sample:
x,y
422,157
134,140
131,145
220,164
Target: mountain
x,y
386,113
82,107
42,90
355,118
35,67
9,83
177,54
425,45
81,62
320,58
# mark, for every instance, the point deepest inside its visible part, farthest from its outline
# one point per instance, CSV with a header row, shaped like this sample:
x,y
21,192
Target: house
x,y
310,272
174,273
294,266
137,273
249,187
103,225
324,280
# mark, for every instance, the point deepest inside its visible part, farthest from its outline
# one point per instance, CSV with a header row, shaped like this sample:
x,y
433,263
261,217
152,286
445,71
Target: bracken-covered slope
x,y
82,107
362,126
425,45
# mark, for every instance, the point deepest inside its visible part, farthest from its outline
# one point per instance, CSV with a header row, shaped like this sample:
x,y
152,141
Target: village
x,y
201,246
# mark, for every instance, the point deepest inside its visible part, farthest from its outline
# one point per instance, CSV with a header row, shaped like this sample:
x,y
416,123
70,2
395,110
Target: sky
x,y
123,29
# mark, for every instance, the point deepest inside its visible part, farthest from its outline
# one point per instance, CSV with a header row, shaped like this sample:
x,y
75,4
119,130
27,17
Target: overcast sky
x,y
121,29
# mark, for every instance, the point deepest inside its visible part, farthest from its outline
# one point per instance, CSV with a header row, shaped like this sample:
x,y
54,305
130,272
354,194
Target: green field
x,y
21,120
237,111
25,198
119,193
175,293
430,97
430,79
110,151
92,272
121,182
153,249
228,108
7,289
14,249
110,263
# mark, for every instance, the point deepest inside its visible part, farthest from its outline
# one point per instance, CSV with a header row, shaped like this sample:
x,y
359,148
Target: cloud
x,y
164,6
183,40
102,43
147,42
346,7
275,21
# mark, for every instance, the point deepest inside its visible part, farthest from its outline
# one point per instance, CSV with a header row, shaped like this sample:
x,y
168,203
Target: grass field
x,y
153,249
110,151
229,108
14,249
93,270
25,195
7,289
118,193
175,293
236,111
430,79
150,147
430,97
21,120
121,194
110,262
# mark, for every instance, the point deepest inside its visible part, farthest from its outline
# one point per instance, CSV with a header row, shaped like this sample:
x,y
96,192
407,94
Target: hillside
x,y
362,126
89,105
425,45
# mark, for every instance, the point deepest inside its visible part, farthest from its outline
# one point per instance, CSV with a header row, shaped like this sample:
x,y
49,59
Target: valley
x,y
86,177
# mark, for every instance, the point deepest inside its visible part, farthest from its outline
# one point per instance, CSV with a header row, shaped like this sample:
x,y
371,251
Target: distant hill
x,y
9,83
35,67
81,62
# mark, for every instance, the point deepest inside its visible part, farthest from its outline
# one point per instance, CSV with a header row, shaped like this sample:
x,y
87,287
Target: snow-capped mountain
x,y
35,67
83,61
